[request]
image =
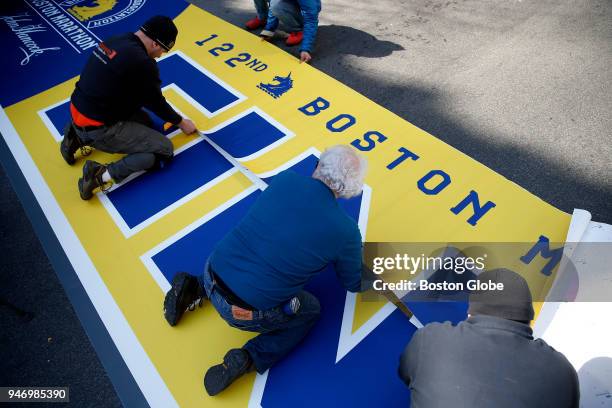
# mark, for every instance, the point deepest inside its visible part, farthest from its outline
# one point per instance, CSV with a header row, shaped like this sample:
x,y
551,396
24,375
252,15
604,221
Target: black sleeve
x,y
153,99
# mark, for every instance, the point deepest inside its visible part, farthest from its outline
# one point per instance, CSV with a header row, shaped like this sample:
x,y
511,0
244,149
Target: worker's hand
x,y
187,126
305,56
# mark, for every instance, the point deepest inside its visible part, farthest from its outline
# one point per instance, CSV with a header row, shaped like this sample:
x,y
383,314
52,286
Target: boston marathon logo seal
x,y
276,90
86,11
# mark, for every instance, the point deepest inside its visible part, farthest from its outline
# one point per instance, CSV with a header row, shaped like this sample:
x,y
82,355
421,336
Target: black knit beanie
x,y
162,30
513,302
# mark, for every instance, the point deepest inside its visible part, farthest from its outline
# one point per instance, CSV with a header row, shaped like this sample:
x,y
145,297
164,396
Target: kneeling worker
x,y
300,17
120,78
255,276
491,359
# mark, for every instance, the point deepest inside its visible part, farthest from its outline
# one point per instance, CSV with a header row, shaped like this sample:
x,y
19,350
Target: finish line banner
x,y
271,113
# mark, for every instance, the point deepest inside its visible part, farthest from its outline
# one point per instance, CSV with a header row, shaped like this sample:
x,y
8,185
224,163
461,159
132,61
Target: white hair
x,y
342,169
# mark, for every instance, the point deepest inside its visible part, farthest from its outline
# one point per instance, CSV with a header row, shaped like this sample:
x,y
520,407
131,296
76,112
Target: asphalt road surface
x,y
524,87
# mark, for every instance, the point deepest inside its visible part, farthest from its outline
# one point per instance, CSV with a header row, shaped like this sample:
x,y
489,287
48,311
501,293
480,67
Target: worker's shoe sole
x,y
184,295
235,363
70,144
92,178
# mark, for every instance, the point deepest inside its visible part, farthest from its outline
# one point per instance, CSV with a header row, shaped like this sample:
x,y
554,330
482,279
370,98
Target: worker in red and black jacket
x,y
120,78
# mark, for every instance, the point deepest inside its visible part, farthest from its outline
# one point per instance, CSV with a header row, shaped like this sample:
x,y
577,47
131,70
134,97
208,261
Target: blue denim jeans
x,y
288,13
262,7
279,333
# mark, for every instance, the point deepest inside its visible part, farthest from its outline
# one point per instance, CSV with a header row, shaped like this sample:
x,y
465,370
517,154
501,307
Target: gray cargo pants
x,y
145,147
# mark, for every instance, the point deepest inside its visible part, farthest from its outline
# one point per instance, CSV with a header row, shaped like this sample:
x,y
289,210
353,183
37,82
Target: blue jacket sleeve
x,y
350,262
310,13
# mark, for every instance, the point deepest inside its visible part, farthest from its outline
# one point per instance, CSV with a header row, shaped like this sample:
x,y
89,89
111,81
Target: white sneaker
x,y
267,34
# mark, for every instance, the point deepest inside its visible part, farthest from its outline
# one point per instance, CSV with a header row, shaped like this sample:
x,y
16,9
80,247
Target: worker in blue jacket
x,y
256,275
299,17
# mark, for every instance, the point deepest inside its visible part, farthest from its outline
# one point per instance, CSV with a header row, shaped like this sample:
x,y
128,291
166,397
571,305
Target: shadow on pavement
x,y
333,40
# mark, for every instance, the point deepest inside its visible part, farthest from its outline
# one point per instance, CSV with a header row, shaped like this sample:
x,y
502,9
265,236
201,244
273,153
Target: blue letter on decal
x,y
441,185
350,121
371,143
313,108
543,247
406,154
478,210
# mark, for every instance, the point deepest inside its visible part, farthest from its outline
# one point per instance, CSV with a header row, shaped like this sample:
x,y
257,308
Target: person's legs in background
x,y
262,7
288,13
290,16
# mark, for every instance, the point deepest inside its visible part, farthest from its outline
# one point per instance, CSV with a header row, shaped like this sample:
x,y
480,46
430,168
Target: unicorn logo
x,y
276,90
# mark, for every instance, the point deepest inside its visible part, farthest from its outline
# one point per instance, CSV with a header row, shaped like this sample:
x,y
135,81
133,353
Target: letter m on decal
x,y
543,247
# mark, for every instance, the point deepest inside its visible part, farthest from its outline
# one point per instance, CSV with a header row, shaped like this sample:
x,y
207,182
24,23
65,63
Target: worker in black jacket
x,y
491,359
120,78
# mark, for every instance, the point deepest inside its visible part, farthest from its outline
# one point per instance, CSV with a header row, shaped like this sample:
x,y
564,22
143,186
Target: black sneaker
x,y
92,178
235,363
70,144
185,294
